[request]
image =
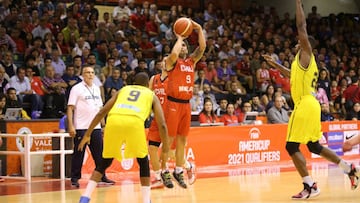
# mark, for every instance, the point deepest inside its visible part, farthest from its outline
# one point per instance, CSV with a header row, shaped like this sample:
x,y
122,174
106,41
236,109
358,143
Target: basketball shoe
x,y
307,192
354,176
191,173
166,178
84,199
179,177
156,184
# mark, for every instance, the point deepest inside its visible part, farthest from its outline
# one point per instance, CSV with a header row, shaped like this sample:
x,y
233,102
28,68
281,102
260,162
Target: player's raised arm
x,y
199,51
174,55
305,46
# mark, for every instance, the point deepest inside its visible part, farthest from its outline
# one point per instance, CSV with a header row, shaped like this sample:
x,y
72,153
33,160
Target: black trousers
x,y
96,148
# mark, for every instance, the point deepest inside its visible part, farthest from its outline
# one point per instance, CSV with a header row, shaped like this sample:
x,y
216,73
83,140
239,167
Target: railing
x,y
27,152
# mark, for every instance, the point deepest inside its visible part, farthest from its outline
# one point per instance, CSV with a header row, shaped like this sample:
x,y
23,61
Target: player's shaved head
x,y
142,79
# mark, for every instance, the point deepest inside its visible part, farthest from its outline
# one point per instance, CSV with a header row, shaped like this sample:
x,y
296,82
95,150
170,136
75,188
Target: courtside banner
x,y
244,145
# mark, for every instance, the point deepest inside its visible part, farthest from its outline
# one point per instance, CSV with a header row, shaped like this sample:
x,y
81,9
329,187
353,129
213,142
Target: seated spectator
x,y
321,95
107,69
256,105
55,98
230,118
8,64
245,107
263,77
277,114
114,81
25,93
207,115
12,102
142,67
351,94
221,110
4,83
244,71
1,179
235,93
354,112
268,97
197,100
224,72
325,113
70,78
2,108
208,93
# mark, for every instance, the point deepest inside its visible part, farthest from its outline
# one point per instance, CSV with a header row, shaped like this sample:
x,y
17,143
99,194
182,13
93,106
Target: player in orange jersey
x,y
181,67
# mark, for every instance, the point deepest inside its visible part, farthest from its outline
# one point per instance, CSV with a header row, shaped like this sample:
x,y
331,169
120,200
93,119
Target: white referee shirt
x,y
87,102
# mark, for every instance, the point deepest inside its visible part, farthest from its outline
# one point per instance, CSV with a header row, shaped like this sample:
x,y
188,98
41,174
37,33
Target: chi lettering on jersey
x,y
185,68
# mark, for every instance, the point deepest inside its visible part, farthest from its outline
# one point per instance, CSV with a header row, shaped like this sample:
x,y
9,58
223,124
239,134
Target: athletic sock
x,y
344,166
178,169
308,180
146,193
90,188
158,175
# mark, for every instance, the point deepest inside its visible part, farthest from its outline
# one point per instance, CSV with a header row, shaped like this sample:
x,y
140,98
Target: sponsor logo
x,y
254,133
20,141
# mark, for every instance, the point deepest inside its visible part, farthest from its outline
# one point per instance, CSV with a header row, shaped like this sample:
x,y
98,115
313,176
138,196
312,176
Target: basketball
x,y
183,27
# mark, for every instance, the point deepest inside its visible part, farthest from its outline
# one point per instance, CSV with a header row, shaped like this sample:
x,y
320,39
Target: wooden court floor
x,y
258,183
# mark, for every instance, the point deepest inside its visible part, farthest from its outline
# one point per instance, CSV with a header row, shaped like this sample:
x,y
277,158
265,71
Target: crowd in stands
x,y
44,45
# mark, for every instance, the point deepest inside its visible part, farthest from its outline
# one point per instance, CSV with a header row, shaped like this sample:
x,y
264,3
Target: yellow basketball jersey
x,y
133,100
303,80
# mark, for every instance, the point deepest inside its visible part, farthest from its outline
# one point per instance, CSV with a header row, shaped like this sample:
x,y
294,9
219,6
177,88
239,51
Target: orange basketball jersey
x,y
159,87
181,79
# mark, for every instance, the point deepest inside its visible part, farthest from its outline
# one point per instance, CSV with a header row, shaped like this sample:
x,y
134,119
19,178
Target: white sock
x,y
178,169
187,165
308,180
90,188
146,193
158,175
344,166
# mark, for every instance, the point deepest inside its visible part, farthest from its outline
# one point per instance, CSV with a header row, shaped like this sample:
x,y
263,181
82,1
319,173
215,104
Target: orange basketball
x,y
183,27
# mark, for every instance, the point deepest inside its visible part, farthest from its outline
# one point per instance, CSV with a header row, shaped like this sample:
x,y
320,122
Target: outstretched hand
x,y
85,140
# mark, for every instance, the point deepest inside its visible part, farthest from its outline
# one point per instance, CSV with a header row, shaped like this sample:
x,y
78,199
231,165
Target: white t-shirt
x,y
87,102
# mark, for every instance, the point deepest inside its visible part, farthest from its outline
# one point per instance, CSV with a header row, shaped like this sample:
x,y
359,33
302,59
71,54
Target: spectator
x,y
2,108
57,62
114,81
4,83
221,110
142,67
207,114
229,118
71,32
197,100
121,12
8,64
6,43
55,98
263,77
277,114
41,29
70,78
12,102
257,106
354,112
244,71
325,113
245,107
324,82
224,72
321,95
25,93
351,94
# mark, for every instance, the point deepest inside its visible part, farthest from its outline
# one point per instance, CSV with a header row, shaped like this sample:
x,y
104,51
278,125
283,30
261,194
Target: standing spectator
x,y
277,114
84,103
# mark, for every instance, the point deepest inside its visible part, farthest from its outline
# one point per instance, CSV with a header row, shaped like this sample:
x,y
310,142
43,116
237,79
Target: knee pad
x,y
292,147
105,163
315,147
144,166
